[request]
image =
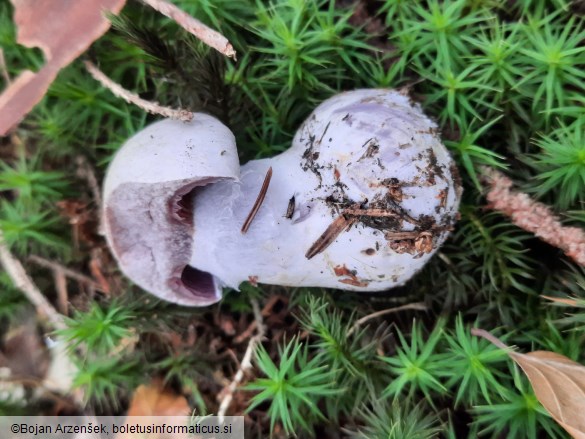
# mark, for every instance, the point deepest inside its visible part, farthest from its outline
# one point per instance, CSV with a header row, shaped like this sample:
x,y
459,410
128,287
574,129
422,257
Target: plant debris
x,y
258,202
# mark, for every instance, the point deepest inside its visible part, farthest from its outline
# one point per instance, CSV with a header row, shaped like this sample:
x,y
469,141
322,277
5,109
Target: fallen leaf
x,y
156,400
558,383
24,352
63,30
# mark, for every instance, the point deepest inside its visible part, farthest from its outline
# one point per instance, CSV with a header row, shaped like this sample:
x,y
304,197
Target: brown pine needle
x,y
329,235
564,301
258,202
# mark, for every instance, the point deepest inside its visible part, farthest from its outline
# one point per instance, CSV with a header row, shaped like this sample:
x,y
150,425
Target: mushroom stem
x,y
273,247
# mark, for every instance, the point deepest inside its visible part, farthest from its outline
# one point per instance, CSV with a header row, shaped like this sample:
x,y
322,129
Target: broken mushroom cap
x,y
147,213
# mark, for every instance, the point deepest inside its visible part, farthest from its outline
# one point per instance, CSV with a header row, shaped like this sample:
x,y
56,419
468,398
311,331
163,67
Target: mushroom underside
x,y
151,234
199,283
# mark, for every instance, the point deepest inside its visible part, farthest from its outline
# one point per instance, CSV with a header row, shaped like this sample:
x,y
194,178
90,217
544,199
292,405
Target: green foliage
x,y
556,62
474,363
11,300
293,387
185,368
16,57
31,184
100,330
106,368
551,338
347,350
308,44
520,415
24,230
461,98
503,259
539,6
9,407
227,16
471,154
569,286
495,57
27,223
75,104
417,366
334,336
561,164
399,420
396,11
486,264
103,378
437,30
302,53
239,301
493,73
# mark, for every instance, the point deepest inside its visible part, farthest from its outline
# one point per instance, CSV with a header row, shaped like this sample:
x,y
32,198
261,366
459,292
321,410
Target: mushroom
x,y
362,199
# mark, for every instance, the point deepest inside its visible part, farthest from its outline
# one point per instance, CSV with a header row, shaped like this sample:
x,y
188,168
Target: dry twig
x,y
62,293
228,392
55,266
207,35
246,334
132,98
85,171
419,306
24,283
533,216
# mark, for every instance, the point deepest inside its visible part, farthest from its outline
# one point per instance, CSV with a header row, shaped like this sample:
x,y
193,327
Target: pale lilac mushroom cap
x,y
176,200
147,203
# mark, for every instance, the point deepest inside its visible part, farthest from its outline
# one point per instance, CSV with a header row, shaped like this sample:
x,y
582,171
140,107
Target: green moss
x,y
506,86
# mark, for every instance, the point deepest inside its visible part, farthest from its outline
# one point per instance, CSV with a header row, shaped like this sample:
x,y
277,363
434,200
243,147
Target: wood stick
x,y
246,363
132,98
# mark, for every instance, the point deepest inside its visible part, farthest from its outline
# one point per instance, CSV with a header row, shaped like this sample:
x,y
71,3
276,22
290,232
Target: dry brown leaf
x,y
558,383
155,400
62,29
24,351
